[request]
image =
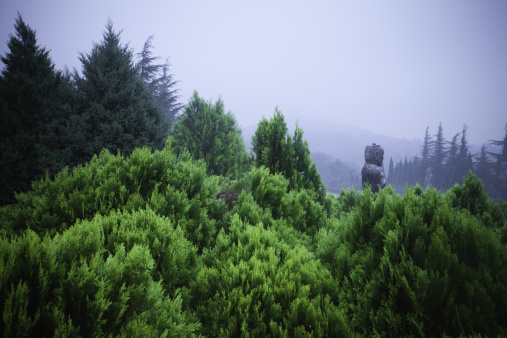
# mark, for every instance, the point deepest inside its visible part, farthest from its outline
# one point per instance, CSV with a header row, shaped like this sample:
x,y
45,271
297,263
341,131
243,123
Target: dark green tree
x,y
119,110
28,95
207,132
275,149
64,135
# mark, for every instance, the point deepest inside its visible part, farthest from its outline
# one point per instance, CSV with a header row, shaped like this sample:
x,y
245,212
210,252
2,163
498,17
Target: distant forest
x,y
443,163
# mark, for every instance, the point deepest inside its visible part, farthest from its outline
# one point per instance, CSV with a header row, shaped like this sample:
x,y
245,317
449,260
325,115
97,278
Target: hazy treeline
x,y
189,235
337,175
443,163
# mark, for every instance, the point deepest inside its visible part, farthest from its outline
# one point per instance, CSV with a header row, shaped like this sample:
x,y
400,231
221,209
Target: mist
x,y
391,69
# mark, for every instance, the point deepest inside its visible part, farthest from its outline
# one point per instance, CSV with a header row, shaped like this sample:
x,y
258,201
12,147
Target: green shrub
x,y
256,284
417,265
172,187
116,274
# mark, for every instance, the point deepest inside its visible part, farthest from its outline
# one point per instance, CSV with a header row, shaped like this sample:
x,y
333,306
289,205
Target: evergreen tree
x,y
404,177
147,69
502,156
464,156
452,162
426,150
399,173
208,133
120,112
62,142
438,158
390,176
28,87
160,81
484,166
416,165
167,96
275,149
269,143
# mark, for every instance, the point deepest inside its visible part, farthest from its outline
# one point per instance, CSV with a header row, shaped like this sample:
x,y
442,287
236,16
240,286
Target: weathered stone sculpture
x,y
373,169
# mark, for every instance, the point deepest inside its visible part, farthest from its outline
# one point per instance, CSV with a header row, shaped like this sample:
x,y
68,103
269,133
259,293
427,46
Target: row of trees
x,y
54,119
443,163
51,118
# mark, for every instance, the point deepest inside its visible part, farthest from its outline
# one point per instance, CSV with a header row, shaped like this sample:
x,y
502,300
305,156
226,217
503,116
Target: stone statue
x,y
373,169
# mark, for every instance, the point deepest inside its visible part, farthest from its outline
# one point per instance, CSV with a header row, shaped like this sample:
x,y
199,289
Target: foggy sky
x,y
392,67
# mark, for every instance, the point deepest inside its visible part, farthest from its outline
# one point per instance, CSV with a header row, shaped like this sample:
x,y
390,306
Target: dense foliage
x,y
207,132
141,245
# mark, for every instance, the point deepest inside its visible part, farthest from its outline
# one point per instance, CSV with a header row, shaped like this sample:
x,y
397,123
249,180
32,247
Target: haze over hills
x,y
338,149
345,142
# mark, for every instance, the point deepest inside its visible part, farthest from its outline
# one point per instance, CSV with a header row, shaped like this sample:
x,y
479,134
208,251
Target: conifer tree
x,y
147,69
502,156
484,166
500,165
426,150
208,133
269,143
390,176
160,81
28,88
120,112
438,158
451,164
464,158
275,149
167,96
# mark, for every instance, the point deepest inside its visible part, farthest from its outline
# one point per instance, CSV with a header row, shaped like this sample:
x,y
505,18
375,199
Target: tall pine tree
x,y
500,179
167,96
147,69
161,82
438,158
464,156
426,150
451,164
483,170
119,110
28,87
